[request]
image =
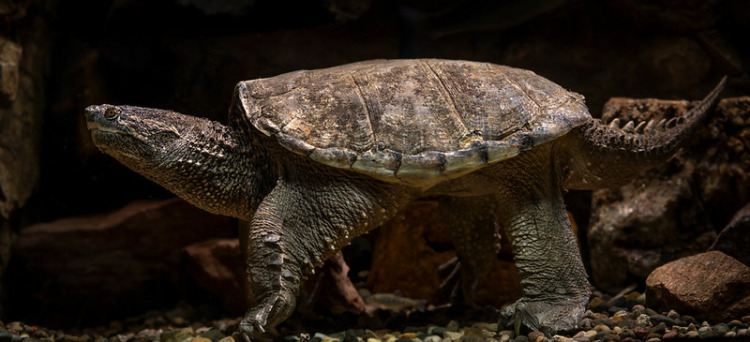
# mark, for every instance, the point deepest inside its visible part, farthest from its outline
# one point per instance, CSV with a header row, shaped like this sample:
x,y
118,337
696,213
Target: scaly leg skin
x,y
306,219
471,222
553,278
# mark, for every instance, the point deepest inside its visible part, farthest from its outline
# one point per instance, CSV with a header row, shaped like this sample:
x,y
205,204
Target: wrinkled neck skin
x,y
211,169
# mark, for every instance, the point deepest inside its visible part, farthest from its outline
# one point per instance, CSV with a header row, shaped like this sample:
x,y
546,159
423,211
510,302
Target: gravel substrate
x,y
623,319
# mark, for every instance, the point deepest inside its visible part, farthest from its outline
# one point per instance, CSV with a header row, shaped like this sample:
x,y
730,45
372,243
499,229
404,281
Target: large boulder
x,y
122,262
711,286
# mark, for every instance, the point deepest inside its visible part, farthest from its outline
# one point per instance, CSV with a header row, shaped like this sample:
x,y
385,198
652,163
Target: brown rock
x,y
671,211
20,123
126,260
10,57
710,286
331,289
216,266
735,237
405,259
402,260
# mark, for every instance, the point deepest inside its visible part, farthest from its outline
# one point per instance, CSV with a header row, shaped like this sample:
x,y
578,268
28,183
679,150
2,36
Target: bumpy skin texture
x,y
312,159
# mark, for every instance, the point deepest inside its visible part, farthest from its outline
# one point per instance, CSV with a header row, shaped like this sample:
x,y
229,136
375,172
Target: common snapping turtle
x,y
310,159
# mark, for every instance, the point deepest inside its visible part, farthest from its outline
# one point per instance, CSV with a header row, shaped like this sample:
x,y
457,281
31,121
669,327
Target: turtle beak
x,y
94,115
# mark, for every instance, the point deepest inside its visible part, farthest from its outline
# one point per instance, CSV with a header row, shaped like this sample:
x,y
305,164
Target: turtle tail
x,y
604,155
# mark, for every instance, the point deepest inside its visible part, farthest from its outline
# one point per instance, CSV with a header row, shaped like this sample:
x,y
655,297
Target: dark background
x,y
187,55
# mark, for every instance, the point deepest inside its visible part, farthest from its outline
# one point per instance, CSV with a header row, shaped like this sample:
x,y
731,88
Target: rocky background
x,y
84,241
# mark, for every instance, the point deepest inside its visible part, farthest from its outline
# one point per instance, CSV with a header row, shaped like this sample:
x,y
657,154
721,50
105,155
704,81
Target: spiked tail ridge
x,y
607,155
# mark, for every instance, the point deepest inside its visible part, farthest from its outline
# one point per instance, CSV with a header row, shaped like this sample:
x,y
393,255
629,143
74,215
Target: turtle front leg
x,y
306,219
545,250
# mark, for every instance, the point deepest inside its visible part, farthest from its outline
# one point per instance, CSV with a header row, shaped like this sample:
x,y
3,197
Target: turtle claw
x,y
548,317
250,328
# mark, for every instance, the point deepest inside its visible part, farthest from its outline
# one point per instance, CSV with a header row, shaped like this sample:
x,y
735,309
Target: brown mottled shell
x,y
417,121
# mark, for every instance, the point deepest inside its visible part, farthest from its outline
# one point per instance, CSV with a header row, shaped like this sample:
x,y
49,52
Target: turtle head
x,y
202,161
136,136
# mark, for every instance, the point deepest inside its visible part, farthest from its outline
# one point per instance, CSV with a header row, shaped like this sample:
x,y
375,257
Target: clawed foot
x,y
250,329
548,317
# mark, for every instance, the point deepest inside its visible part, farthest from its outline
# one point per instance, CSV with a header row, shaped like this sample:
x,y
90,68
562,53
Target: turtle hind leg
x,y
472,229
307,218
545,250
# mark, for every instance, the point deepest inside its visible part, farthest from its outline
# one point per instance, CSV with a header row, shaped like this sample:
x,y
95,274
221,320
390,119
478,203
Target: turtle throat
x,y
210,168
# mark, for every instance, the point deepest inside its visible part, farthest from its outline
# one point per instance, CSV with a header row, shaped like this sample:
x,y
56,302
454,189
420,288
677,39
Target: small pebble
x,y
730,334
659,328
672,334
626,333
521,338
453,335
436,331
621,313
227,339
643,320
638,310
742,332
654,339
486,326
705,332
679,329
689,319
535,336
603,336
672,314
640,332
560,338
504,338
720,329
692,334
474,331
452,326
509,333
737,324
408,336
602,328
656,319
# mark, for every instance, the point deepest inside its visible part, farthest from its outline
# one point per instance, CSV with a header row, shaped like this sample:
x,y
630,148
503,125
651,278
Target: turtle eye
x,y
111,113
